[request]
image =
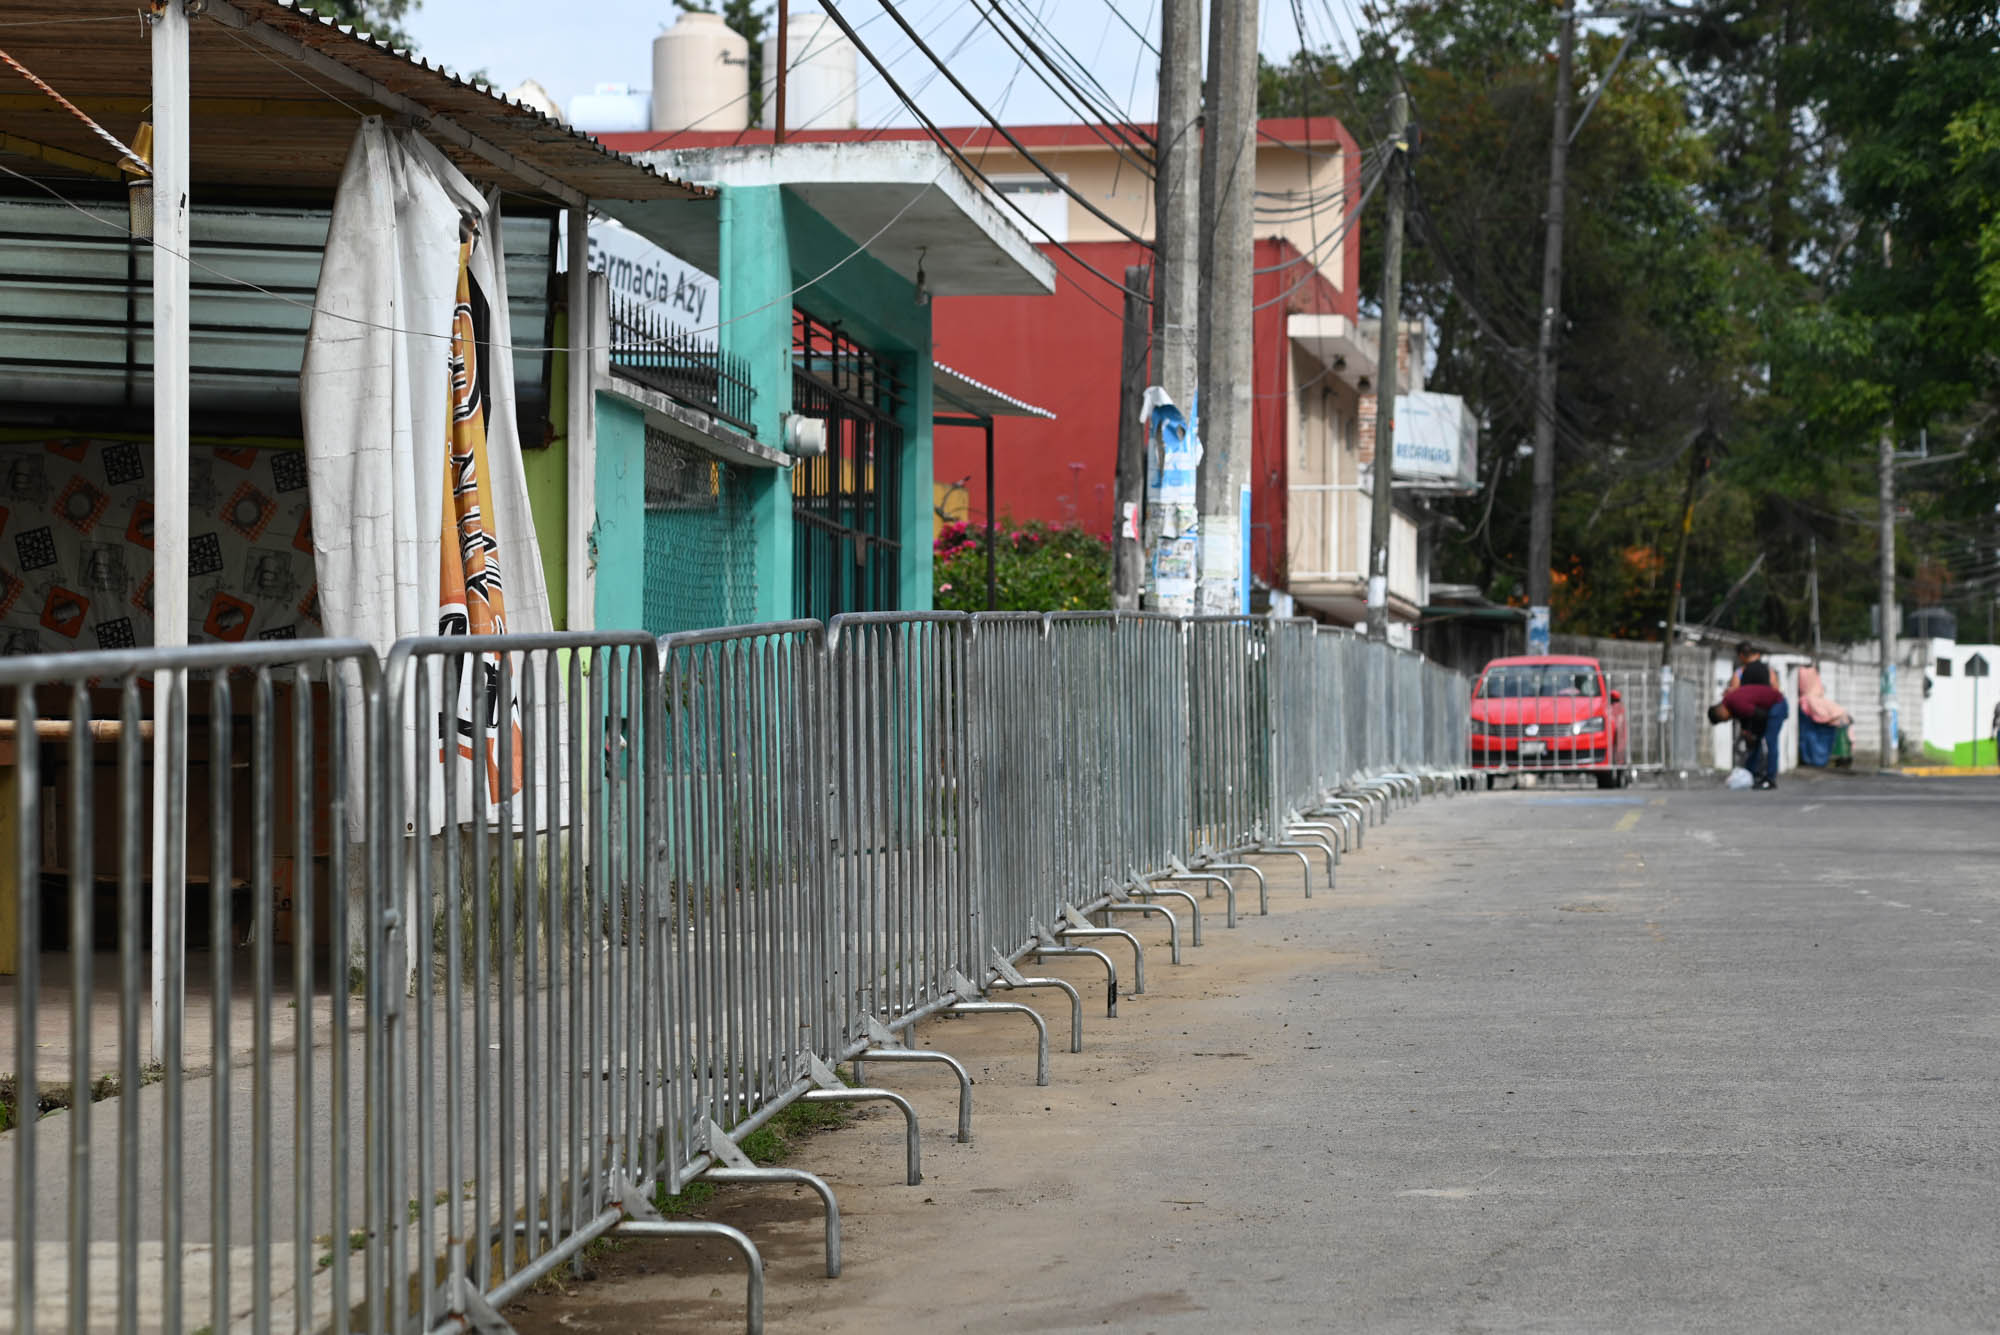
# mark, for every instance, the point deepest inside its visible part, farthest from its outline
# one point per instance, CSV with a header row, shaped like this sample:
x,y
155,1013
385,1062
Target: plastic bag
x,y
1739,778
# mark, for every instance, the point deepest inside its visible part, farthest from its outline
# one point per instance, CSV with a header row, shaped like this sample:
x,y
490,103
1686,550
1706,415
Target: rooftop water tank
x,y
612,108
701,76
819,92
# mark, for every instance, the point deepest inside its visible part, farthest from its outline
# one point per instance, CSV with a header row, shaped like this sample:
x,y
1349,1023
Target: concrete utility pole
x,y
1382,509
1541,521
1885,463
1228,197
1129,489
1885,466
1176,207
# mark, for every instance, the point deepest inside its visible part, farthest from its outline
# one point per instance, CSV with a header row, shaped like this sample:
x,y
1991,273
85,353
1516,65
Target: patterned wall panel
x,y
76,545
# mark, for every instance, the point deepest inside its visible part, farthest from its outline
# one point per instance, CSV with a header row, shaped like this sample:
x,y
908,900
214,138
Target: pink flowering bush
x,y
1040,567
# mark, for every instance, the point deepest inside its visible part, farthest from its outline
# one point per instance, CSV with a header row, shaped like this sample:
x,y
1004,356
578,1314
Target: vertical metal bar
x,y
426,903
221,943
131,986
504,928
453,896
27,981
81,881
477,901
339,1149
530,926
304,1114
262,767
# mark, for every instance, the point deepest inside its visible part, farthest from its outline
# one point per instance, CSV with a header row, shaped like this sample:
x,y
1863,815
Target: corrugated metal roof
x,y
277,116
967,395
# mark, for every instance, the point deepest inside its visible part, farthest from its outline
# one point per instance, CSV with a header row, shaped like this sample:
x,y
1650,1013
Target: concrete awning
x,y
961,393
1335,342
275,93
905,203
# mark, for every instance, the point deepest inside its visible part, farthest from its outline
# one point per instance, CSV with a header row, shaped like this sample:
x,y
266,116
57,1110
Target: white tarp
x,y
375,398
376,393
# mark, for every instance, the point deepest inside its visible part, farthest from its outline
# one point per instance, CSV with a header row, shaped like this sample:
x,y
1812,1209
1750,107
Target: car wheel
x,y
1489,783
1610,778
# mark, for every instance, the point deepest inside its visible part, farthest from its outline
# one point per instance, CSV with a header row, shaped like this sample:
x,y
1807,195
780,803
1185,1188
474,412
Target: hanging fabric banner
x,y
471,596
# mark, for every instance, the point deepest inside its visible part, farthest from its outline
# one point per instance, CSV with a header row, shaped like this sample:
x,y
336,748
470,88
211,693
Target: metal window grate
x,y
846,545
645,347
700,541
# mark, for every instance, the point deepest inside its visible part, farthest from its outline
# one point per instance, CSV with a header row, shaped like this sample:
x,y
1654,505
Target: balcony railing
x,y
649,350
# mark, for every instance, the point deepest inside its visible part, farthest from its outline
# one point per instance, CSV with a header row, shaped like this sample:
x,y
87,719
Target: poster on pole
x,y
1173,542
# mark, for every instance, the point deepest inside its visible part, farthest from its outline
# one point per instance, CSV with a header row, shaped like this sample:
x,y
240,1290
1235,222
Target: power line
x,y
890,7
1095,116
833,12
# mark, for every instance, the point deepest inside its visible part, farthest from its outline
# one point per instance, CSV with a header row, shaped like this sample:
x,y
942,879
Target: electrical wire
x,y
994,121
1097,123
833,12
125,154
1103,112
315,310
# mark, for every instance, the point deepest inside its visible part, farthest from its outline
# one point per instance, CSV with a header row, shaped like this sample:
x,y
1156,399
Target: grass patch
x,y
52,1097
772,1143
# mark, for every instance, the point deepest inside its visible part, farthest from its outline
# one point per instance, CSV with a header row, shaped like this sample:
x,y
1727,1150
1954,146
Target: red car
x,y
1549,713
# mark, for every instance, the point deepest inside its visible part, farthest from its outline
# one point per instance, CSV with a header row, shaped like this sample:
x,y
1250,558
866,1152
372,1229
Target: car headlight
x,y
1587,725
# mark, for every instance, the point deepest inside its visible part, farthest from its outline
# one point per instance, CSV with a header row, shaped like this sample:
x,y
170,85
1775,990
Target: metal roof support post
x,y
170,450
581,427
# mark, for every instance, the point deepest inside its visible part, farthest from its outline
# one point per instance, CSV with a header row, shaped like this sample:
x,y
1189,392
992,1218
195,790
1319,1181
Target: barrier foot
x,y
1173,923
1075,1002
1305,863
1010,1007
1081,928
1194,905
1042,952
915,1173
1228,888
1263,888
1303,839
940,1058
793,1177
752,1261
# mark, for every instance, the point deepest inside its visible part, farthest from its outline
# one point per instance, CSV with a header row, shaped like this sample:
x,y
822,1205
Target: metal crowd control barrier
x,y
133,1198
561,918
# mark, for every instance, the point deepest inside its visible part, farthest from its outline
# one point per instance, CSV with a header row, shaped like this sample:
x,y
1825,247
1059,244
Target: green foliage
x,y
752,20
1038,567
381,19
1724,281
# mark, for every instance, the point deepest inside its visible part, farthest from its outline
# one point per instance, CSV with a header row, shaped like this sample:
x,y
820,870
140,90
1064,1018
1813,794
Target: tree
x,y
751,20
379,18
1724,279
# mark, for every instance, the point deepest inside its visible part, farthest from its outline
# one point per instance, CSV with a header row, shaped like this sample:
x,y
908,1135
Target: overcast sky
x,y
567,53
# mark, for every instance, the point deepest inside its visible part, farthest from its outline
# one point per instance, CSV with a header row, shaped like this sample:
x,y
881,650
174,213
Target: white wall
x,y
1960,707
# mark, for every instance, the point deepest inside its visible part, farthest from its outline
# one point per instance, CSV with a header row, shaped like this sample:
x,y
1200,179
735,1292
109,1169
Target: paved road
x,y
1546,1061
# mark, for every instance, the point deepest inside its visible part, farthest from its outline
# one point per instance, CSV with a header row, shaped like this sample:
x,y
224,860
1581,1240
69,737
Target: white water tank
x,y
701,76
819,92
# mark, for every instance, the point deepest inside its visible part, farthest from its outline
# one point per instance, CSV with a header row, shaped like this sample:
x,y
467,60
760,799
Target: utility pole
x,y
1541,522
1885,464
1383,507
1176,275
1129,490
784,60
1228,197
1812,549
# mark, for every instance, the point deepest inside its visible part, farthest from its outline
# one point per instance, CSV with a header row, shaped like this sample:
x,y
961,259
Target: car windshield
x,y
1539,681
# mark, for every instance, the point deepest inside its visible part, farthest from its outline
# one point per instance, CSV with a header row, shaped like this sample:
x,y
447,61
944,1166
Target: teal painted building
x,y
787,473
